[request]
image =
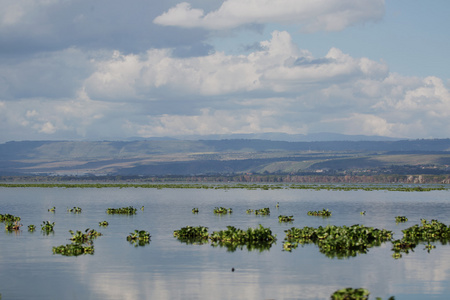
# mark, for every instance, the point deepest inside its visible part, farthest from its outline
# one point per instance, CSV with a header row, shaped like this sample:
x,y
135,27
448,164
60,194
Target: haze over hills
x,y
225,156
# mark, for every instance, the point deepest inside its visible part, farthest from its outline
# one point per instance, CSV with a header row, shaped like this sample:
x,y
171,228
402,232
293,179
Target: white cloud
x,y
312,15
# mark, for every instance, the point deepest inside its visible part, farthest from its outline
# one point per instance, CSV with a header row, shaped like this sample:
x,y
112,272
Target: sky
x,y
111,70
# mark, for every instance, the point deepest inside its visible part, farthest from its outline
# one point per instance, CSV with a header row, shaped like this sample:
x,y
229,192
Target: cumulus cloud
x,y
311,15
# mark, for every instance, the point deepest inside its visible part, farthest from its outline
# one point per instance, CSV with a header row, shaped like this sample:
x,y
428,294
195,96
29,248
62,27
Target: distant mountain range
x,y
221,156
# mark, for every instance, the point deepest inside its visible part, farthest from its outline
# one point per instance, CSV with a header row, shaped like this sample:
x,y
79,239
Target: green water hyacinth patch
x,y
9,226
47,227
262,211
139,238
401,219
249,211
282,218
53,209
253,238
75,210
191,232
222,210
323,213
31,227
350,294
9,218
73,249
195,210
337,241
103,223
86,237
130,210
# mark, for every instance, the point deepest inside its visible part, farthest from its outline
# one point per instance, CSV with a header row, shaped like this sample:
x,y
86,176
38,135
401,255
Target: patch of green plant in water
x,y
47,227
52,209
86,237
195,210
351,294
222,210
103,223
323,213
426,233
232,238
262,211
401,219
9,218
249,211
282,218
192,235
75,210
337,241
73,249
130,210
13,226
139,238
31,228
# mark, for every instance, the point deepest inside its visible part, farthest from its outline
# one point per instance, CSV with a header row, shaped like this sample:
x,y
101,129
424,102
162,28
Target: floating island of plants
x,y
75,210
9,218
337,241
321,213
47,227
353,294
401,219
130,210
282,218
139,238
73,249
253,238
222,210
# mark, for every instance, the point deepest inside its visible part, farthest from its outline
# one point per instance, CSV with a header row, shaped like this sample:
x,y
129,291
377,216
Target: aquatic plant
x,y
249,211
52,209
86,237
142,208
195,210
8,218
262,211
253,238
103,223
337,241
31,228
190,232
323,213
282,218
10,226
130,210
139,237
46,226
75,210
73,249
222,210
400,219
363,212
278,205
350,294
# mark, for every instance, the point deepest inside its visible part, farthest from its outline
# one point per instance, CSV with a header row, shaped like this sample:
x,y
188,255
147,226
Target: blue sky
x,y
109,69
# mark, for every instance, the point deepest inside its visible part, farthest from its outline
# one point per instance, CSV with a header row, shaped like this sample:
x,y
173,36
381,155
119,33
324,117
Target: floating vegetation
x,y
8,218
47,227
253,238
52,209
83,238
75,210
31,228
426,233
249,211
323,213
192,234
222,210
139,238
130,210
362,213
73,249
401,219
10,226
350,294
103,223
263,211
285,218
142,208
195,210
337,241
278,205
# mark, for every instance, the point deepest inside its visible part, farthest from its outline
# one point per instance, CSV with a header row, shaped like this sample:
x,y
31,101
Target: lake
x,y
169,269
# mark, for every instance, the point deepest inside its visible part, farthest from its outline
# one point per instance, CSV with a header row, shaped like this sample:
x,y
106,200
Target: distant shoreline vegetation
x,y
248,186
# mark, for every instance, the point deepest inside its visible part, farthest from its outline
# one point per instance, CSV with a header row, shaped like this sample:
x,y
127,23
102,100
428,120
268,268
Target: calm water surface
x,y
168,269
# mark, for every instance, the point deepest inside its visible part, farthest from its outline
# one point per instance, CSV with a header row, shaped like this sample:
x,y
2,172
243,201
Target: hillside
x,y
234,156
